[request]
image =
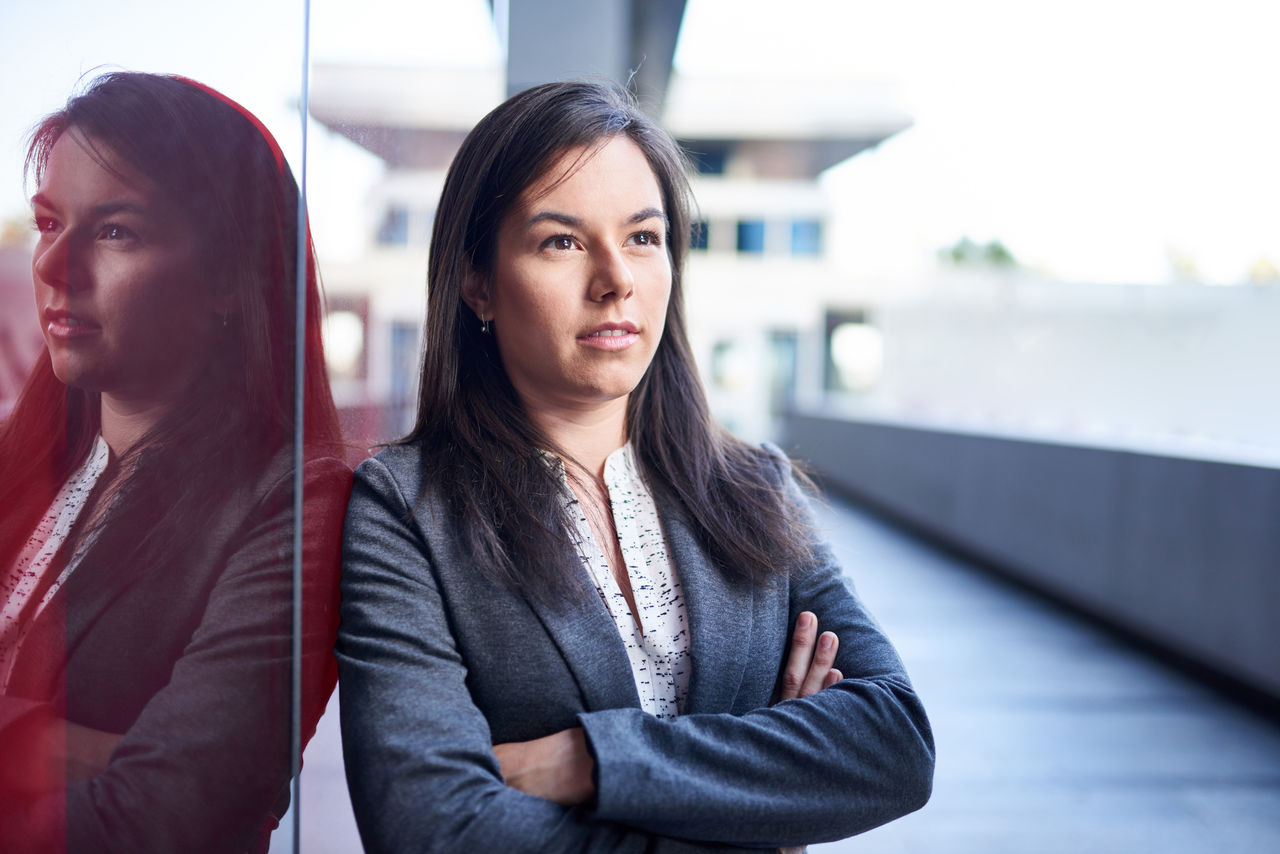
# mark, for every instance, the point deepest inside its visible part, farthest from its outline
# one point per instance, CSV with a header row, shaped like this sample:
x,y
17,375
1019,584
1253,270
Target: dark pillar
x,y
620,39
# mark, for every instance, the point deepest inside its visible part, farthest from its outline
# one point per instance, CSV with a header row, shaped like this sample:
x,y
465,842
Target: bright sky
x,y
1093,138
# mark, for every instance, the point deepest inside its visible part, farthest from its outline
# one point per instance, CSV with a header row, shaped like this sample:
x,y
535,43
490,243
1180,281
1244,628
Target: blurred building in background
x,y
414,119
759,277
1175,369
20,339
1101,440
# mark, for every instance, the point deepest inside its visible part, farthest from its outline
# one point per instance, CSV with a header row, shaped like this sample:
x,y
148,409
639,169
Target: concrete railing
x,y
1183,553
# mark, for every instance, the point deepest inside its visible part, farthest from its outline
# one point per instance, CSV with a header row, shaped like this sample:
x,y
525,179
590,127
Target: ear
x,y
475,293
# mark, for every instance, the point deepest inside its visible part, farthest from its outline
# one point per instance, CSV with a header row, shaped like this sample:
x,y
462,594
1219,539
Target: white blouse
x,y
19,584
659,654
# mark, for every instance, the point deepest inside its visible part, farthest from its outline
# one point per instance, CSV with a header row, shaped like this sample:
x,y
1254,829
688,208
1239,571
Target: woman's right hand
x,y
808,670
557,767
809,666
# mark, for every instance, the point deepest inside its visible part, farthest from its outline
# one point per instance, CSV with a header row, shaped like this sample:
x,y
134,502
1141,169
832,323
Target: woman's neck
x,y
588,436
125,422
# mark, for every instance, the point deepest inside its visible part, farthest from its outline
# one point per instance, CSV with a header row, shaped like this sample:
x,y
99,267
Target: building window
x,y
855,351
343,333
751,236
405,339
709,158
784,349
394,229
698,235
806,237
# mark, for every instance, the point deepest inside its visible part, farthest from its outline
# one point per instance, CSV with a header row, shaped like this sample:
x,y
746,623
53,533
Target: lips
x,y
613,330
611,337
64,325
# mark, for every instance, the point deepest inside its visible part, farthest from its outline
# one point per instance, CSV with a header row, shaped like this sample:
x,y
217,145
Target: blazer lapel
x,y
96,587
719,614
60,627
592,647
720,623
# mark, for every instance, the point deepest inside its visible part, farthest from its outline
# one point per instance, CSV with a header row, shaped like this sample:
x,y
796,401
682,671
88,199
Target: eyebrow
x,y
576,222
106,209
43,201
117,207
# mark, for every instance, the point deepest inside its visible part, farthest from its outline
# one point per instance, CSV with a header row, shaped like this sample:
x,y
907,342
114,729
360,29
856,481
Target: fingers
x,y
824,658
809,666
803,640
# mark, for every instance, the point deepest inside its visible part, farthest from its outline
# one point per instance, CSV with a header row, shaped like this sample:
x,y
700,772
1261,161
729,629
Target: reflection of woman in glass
x,y
147,479
577,615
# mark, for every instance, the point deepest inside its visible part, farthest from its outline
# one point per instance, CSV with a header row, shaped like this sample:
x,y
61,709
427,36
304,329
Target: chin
x,y
74,376
63,372
614,389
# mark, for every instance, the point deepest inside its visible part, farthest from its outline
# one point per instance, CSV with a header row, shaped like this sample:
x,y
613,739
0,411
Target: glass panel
x,y
147,546
395,86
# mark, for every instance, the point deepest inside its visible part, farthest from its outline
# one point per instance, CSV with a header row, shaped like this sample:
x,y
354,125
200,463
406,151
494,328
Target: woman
x,y
147,478
567,595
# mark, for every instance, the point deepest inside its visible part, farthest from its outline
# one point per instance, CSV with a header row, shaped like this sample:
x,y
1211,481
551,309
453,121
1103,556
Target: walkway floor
x,y
1052,736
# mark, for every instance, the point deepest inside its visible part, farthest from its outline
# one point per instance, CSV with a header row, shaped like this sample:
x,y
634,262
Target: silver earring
x,y
484,327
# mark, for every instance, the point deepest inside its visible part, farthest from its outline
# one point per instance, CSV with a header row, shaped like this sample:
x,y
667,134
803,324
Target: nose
x,y
51,262
611,276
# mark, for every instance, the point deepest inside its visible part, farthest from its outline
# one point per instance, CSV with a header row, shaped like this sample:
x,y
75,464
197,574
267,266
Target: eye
x,y
44,224
560,243
645,238
114,231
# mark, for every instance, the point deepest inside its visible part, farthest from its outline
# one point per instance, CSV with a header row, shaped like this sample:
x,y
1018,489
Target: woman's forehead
x,y
88,165
610,156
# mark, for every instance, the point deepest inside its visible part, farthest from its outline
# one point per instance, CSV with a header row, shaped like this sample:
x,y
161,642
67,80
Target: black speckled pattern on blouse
x,y
23,578
659,655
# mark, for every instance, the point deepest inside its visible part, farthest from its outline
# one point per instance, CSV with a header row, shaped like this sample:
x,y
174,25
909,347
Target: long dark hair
x,y
480,445
230,183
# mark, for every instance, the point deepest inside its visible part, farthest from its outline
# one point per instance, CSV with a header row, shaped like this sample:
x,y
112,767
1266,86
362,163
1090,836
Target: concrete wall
x,y
1185,553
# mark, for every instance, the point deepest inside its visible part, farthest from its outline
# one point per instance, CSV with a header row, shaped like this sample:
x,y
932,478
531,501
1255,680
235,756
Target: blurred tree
x,y
968,252
998,254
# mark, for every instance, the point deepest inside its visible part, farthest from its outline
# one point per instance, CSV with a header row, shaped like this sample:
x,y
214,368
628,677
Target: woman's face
x,y
579,292
118,287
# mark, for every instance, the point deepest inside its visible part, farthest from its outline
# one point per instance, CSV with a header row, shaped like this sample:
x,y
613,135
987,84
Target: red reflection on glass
x,y
147,476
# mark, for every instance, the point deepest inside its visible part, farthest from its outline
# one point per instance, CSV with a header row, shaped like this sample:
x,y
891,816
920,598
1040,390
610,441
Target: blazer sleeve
x,y
419,755
207,761
813,769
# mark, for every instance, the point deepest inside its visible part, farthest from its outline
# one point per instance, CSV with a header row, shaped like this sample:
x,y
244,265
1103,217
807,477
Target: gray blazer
x,y
191,661
437,664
